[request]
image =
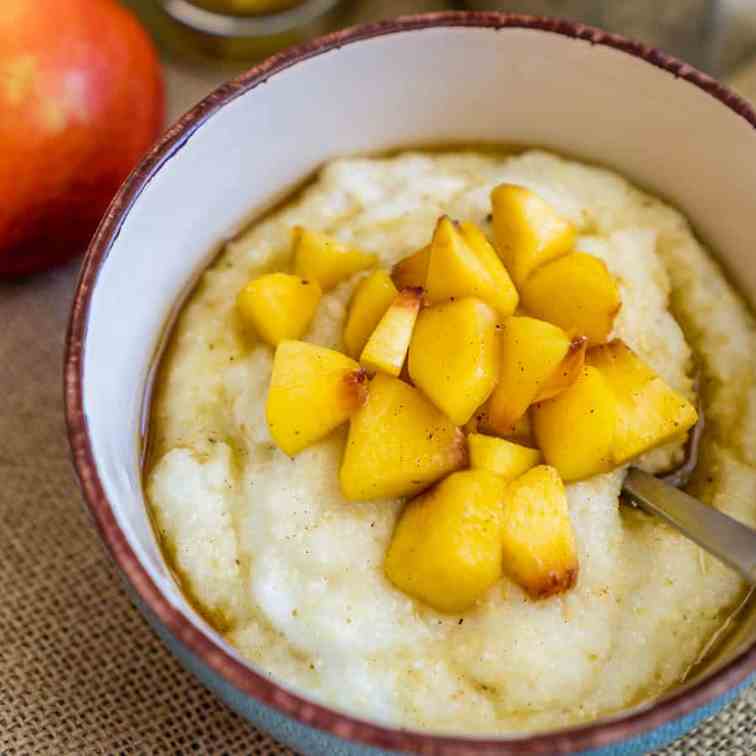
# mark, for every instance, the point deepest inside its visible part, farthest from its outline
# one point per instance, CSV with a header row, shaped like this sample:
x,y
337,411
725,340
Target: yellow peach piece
x,y
412,271
532,352
567,372
312,391
446,547
520,430
370,300
325,260
386,348
459,269
528,232
575,430
497,455
279,306
505,292
649,412
538,541
454,356
577,293
398,444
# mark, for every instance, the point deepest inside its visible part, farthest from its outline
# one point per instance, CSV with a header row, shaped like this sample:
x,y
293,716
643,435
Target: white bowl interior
x,y
403,88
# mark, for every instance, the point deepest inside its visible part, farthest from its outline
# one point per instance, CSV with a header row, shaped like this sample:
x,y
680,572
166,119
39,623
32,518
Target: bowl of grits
x,y
360,356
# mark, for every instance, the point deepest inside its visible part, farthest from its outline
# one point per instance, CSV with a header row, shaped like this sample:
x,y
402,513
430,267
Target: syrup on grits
x,y
280,403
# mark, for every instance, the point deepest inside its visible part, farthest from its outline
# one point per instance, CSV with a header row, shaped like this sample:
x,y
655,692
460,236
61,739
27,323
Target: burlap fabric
x,y
80,671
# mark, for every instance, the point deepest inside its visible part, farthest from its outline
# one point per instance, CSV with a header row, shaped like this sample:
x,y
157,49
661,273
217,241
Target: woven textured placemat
x,y
80,671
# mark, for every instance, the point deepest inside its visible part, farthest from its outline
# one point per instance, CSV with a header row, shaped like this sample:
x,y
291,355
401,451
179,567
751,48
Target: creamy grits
x,y
291,573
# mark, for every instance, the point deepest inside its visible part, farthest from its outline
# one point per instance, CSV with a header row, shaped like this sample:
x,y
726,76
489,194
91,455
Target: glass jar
x,y
688,29
246,7
249,28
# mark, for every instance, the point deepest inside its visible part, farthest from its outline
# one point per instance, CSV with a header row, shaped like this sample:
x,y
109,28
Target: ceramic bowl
x,y
441,78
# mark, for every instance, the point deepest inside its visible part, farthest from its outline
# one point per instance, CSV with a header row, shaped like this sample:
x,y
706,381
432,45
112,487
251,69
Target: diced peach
x,y
532,355
446,547
312,391
568,371
520,430
463,264
577,293
279,306
386,348
323,259
506,294
539,545
528,232
499,456
454,356
411,272
370,300
575,430
649,412
398,444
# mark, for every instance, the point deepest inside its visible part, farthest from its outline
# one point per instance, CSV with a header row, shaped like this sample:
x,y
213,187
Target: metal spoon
x,y
727,539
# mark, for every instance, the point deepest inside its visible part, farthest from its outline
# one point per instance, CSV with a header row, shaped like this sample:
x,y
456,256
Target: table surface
x,y
81,671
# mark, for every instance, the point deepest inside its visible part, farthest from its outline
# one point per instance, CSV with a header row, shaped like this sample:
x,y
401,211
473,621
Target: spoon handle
x,y
727,539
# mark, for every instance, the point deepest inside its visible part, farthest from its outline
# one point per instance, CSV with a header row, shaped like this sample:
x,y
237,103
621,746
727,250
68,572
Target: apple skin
x,y
81,100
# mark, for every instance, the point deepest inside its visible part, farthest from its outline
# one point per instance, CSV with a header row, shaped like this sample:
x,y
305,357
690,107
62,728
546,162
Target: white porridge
x,y
291,572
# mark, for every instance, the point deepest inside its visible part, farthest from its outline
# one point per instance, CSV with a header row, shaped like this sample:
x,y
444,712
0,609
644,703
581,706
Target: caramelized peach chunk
x,y
312,391
446,547
323,259
398,444
505,298
412,271
575,430
520,430
463,264
454,356
387,346
370,300
539,545
279,306
567,372
577,293
536,358
497,455
649,412
528,232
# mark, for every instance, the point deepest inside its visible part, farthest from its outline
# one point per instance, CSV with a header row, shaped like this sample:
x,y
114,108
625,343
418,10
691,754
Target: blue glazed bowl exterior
x,y
662,736
312,742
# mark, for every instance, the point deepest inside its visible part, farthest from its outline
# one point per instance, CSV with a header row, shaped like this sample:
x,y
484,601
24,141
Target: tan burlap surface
x,y
80,671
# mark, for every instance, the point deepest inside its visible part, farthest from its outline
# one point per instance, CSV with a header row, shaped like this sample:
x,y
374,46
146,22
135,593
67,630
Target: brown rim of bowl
x,y
240,675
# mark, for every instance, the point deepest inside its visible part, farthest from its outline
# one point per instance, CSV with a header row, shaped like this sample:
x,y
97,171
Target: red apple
x,y
81,100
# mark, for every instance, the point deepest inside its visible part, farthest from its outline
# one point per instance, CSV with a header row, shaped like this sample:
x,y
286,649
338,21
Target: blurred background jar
x,y
249,28
247,7
714,35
